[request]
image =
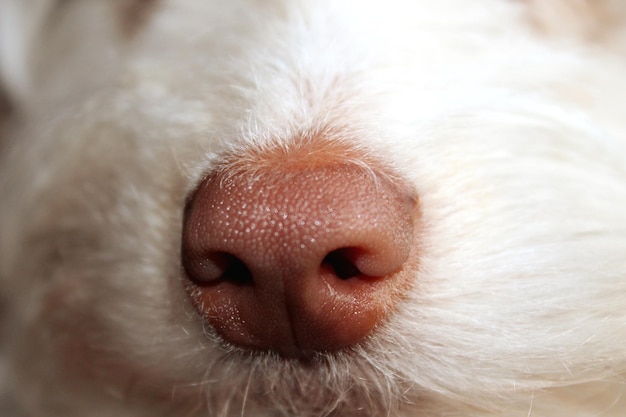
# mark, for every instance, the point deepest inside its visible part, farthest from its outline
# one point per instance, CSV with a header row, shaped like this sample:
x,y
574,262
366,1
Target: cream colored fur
x,y
508,118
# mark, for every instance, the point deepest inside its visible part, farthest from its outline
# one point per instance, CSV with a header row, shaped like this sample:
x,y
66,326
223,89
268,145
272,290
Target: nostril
x,y
236,271
341,262
216,267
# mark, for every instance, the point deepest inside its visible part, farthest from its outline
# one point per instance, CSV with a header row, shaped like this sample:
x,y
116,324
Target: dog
x,y
313,208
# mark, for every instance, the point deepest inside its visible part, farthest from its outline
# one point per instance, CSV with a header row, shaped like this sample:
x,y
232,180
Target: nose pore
x,y
299,261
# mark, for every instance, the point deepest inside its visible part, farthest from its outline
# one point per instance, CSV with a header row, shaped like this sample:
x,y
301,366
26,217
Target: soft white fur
x,y
508,118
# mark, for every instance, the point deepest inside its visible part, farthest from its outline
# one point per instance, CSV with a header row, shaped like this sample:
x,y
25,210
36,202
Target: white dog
x,y
313,208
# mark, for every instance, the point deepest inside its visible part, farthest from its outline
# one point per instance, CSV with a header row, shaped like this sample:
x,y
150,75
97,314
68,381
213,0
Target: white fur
x,y
514,139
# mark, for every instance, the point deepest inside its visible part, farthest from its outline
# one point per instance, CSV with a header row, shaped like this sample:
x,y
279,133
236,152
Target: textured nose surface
x,y
298,261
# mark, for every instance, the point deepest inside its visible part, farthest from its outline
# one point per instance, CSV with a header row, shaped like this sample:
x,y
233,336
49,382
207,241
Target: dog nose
x,y
298,260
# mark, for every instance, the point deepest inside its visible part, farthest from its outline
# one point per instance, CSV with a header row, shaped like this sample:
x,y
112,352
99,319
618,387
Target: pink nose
x,y
298,260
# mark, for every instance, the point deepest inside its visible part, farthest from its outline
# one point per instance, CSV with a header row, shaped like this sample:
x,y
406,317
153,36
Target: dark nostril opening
x,y
340,261
236,272
220,267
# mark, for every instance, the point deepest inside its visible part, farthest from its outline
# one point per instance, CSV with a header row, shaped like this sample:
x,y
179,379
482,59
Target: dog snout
x,y
299,257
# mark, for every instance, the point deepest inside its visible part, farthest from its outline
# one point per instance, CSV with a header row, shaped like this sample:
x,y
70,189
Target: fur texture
x,y
508,117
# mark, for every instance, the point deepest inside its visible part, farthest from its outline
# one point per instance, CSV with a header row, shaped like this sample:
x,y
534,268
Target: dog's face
x,y
312,208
